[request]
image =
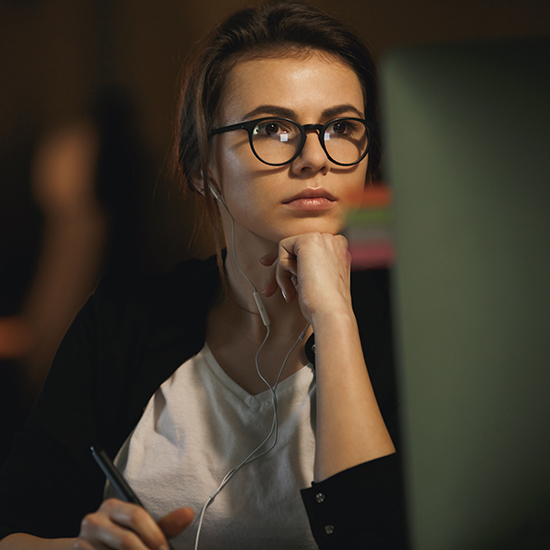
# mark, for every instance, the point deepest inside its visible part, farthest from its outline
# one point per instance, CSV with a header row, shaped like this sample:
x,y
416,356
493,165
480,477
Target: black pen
x,y
116,479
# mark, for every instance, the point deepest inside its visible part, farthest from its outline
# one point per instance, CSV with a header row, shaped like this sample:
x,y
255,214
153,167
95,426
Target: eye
x,y
273,129
345,128
342,127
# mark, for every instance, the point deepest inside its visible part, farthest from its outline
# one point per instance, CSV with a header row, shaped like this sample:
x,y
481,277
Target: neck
x,y
243,272
235,329
246,273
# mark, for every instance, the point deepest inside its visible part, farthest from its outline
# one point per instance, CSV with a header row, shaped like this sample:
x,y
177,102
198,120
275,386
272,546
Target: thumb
x,y
175,522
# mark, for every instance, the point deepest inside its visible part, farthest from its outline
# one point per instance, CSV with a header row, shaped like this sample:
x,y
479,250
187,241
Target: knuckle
x,y
89,522
316,236
342,240
342,245
109,505
137,516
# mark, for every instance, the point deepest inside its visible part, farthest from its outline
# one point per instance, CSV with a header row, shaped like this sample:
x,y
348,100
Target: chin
x,y
313,225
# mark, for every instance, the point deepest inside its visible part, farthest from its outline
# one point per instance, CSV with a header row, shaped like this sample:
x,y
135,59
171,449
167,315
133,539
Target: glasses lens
x,y
346,140
276,141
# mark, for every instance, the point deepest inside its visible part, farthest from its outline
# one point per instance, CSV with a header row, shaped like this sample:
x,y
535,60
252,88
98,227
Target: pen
x,y
116,479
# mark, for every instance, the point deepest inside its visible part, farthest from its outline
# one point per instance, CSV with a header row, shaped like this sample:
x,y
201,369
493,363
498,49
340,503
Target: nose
x,y
312,158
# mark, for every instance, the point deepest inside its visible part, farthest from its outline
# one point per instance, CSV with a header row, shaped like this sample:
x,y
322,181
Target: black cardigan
x,y
126,341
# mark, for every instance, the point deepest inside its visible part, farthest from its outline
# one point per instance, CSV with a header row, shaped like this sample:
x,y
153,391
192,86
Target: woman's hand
x,y
124,526
350,428
314,266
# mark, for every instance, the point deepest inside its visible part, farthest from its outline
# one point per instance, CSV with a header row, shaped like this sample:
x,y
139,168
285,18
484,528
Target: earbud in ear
x,y
211,186
215,193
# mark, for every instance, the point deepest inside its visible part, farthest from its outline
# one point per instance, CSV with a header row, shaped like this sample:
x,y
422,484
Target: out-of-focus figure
x,y
64,176
63,186
85,181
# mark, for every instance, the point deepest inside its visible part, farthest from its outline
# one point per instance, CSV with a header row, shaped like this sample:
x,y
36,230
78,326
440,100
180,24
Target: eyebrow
x,y
284,112
340,110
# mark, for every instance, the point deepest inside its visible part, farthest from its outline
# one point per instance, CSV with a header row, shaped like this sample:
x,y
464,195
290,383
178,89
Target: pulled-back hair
x,y
274,29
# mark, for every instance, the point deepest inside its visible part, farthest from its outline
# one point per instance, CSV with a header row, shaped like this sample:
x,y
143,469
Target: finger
x,y
270,285
287,267
284,282
269,258
289,263
137,519
175,522
278,281
101,532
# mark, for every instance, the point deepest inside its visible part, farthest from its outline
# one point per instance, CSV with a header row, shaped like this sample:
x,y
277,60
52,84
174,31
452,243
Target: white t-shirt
x,y
199,425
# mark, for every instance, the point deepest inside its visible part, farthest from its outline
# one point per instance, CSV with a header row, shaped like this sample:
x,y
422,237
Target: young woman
x,y
200,376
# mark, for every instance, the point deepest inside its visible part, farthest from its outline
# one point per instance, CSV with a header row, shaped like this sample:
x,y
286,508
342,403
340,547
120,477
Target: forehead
x,y
306,83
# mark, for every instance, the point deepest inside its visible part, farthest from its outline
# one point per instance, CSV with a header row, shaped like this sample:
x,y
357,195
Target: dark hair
x,y
273,29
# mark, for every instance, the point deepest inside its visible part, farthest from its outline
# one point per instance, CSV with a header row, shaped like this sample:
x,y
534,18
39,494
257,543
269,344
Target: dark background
x,y
57,55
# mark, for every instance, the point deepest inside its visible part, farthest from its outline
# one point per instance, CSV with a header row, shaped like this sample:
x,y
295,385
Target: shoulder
x,y
130,337
175,298
193,279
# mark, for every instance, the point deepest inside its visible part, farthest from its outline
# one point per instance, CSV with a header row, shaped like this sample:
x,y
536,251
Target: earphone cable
x,y
275,422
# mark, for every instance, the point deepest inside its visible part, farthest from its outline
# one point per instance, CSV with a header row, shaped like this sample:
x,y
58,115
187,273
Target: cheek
x,y
242,194
245,182
237,186
230,166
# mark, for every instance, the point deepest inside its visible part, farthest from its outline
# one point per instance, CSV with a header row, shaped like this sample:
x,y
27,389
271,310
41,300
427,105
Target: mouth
x,y
310,193
312,200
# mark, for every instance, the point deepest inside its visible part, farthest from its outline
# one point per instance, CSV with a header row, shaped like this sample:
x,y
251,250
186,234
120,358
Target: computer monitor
x,y
466,128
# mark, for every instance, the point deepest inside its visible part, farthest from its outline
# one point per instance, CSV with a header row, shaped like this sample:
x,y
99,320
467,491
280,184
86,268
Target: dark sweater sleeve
x,y
359,508
364,507
48,484
129,338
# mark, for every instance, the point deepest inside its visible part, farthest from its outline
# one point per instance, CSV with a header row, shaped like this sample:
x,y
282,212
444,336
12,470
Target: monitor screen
x,y
466,129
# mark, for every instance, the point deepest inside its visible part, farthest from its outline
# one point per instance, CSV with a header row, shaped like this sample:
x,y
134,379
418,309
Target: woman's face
x,y
263,199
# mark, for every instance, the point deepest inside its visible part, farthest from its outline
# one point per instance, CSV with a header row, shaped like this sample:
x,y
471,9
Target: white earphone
x,y
275,424
217,196
257,297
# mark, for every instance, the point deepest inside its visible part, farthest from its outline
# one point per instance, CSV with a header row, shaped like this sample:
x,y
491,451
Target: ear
x,y
197,181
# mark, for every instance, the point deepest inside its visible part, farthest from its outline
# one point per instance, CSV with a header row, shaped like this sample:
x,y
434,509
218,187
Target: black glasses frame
x,y
319,128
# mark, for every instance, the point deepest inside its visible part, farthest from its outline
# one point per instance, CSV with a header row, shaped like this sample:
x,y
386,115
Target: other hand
x,y
124,526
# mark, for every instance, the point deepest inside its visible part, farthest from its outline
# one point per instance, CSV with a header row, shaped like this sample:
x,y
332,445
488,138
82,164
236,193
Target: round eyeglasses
x,y
277,141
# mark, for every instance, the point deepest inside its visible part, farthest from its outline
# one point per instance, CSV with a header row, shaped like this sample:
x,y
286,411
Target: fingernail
x,y
284,294
262,259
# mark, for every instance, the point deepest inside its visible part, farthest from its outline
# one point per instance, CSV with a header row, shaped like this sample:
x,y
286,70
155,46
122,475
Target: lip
x,y
311,193
312,200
